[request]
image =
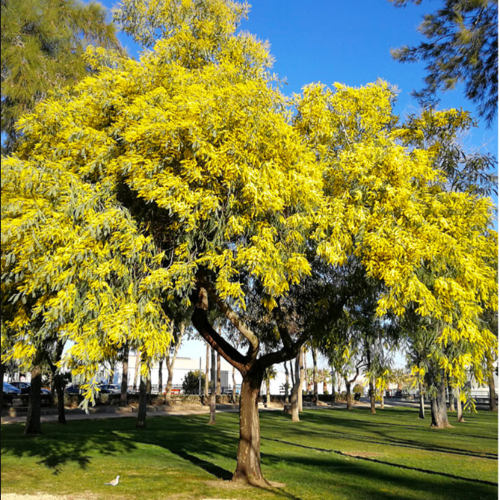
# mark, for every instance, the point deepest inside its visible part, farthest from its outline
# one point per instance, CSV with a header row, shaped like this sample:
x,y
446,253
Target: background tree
x,y
191,382
461,47
42,46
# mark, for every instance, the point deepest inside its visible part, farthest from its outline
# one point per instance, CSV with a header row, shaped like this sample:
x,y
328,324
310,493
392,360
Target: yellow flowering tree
x,y
228,193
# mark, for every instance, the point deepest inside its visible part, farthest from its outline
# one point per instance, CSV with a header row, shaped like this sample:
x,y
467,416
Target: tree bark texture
x,y
212,391
460,416
382,400
124,384
439,415
268,391
143,400
248,468
348,394
233,397
57,383
287,384
451,396
170,377
33,424
295,389
372,397
491,385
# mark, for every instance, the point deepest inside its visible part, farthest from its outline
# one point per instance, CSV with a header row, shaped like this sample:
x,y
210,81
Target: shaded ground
x,y
330,454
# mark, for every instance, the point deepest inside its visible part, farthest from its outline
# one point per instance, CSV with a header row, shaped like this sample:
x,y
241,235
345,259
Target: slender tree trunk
x,y
438,406
33,424
295,389
372,397
124,383
212,391
248,468
306,378
268,391
287,384
143,401
111,373
207,377
57,383
136,370
460,411
218,375
451,395
422,401
315,375
301,375
148,383
52,383
234,386
333,386
491,385
382,399
160,377
348,394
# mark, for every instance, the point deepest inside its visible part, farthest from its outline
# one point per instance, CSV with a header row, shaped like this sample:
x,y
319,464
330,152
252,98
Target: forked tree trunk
x,y
348,394
143,400
124,386
422,401
451,395
372,398
438,406
212,392
460,416
295,390
33,424
491,385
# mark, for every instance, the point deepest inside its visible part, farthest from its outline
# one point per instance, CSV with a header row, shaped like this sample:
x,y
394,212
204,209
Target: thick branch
x,y
216,341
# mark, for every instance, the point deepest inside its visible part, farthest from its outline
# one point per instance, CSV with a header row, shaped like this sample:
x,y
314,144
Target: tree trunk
x,y
124,386
268,392
372,398
59,387
52,382
148,383
218,375
136,370
207,378
451,395
287,384
168,387
438,406
460,417
422,401
33,424
234,386
348,394
315,375
382,400
143,400
160,377
491,385
295,389
301,375
333,386
212,392
111,373
248,467
306,378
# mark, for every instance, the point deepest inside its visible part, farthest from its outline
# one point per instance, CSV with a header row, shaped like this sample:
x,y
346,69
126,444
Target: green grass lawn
x,y
330,454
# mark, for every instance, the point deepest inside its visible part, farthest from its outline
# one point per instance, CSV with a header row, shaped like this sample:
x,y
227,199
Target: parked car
x,y
109,389
10,392
24,387
73,389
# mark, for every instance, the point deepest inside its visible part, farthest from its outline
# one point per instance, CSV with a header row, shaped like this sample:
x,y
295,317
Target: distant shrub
x,y
358,388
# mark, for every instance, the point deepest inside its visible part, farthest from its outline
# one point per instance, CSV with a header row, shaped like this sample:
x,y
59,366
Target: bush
x,y
358,388
191,383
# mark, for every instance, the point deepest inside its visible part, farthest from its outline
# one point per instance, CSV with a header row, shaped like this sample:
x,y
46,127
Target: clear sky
x,y
348,42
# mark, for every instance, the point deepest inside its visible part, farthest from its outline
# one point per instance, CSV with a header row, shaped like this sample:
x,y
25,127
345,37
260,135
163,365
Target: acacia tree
x,y
42,46
224,202
461,46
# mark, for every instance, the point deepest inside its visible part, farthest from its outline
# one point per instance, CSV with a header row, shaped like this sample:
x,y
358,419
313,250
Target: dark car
x,y
10,392
109,389
24,387
73,389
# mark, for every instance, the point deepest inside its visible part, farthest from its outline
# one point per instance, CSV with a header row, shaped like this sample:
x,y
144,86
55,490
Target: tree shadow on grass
x,y
59,446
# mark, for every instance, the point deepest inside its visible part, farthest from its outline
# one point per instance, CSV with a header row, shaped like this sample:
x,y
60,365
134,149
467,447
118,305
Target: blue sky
x,y
348,42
